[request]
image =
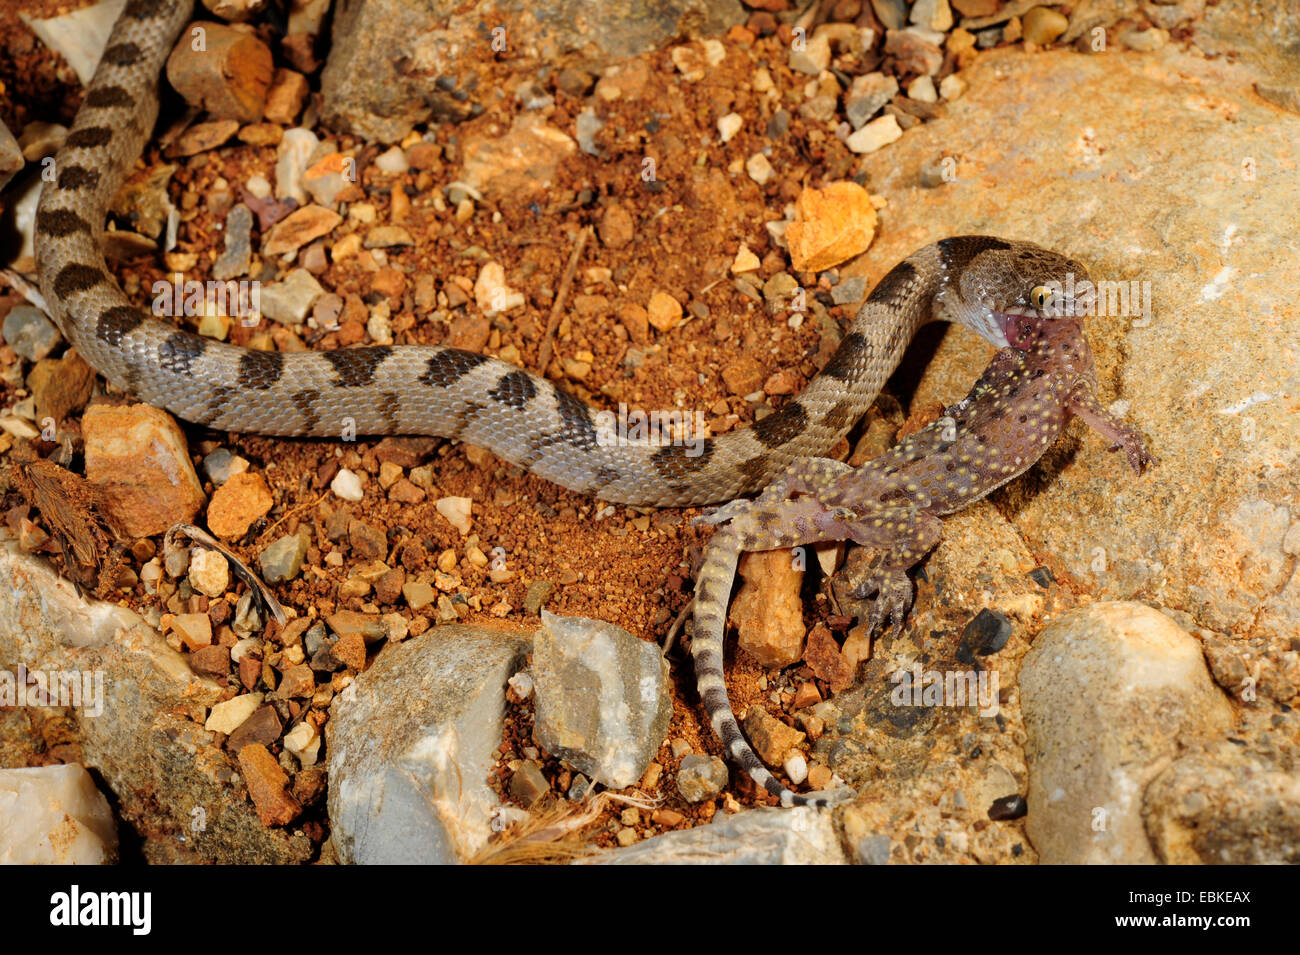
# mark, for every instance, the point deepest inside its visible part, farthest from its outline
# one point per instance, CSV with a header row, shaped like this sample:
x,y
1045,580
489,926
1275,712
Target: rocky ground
x,y
466,670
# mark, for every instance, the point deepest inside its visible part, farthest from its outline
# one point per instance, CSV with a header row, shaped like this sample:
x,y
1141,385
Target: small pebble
x,y
392,162
729,125
347,485
30,333
701,777
759,169
796,767
875,135
282,559
209,572
922,90
1042,25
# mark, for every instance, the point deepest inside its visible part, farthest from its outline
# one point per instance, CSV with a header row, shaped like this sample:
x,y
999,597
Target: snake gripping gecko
x,y
1019,406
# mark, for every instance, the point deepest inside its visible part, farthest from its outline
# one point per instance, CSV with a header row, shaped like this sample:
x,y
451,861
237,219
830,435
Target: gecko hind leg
x,y
906,536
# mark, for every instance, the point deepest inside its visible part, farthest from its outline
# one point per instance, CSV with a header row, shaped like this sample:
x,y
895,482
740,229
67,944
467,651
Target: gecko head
x,y
1008,292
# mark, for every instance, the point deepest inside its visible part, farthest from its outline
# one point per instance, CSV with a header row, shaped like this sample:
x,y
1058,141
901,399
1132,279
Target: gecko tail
x,y
713,587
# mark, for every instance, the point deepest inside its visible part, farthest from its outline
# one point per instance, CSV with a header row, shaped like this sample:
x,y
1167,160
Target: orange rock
x,y
771,738
744,376
835,224
664,311
301,227
350,649
823,656
237,504
767,611
138,456
285,97
267,785
228,76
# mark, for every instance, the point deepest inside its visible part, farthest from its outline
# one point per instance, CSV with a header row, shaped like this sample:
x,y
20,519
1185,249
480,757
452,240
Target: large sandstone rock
x,y
1107,692
1059,148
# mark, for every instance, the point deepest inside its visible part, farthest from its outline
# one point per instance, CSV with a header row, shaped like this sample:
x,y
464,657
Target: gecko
x,y
1017,408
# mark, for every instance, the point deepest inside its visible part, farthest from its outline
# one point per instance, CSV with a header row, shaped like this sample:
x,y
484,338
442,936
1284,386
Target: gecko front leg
x,y
1082,401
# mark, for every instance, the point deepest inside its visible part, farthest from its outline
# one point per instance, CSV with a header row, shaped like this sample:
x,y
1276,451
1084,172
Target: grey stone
x,y
849,290
289,300
874,850
701,777
867,95
602,698
28,332
217,466
234,261
410,745
282,558
1107,691
798,836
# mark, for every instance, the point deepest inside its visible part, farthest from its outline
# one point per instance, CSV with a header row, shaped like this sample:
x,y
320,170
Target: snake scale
x,y
413,389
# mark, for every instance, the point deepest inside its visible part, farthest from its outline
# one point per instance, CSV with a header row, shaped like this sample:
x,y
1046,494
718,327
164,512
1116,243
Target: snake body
x,y
413,389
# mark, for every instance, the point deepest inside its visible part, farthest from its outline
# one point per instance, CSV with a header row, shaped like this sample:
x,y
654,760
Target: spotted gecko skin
x,y
1019,406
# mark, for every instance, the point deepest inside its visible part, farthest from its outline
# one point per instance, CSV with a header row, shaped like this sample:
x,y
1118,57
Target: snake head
x,y
1004,289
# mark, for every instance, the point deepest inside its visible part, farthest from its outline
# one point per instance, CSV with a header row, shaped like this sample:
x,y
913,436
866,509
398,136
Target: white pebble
x,y
209,572
304,742
347,485
457,511
244,647
393,162
491,293
729,125
714,52
952,87
922,90
796,767
259,186
877,133
759,169
522,684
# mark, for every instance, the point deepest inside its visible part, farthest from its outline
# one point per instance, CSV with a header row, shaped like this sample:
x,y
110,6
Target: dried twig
x,y
553,322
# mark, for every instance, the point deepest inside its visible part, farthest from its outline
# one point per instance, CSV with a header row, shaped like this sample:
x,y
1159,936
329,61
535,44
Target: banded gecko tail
x,y
712,590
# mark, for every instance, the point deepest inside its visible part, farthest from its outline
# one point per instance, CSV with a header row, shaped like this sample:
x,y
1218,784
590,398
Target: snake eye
x,y
1040,296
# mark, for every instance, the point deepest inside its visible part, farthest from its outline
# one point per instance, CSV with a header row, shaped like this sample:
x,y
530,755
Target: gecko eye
x,y
1040,296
